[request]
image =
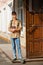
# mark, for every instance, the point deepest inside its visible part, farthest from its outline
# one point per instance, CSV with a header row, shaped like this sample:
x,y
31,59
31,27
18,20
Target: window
x,y
20,11
20,3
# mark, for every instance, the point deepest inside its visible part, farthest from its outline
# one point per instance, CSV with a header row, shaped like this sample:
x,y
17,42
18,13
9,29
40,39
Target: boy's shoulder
x,y
18,20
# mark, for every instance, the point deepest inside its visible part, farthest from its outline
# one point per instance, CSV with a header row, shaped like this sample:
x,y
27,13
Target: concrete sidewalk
x,y
6,48
4,60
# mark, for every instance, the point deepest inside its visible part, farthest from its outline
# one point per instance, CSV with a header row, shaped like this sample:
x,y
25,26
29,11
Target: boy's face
x,y
14,16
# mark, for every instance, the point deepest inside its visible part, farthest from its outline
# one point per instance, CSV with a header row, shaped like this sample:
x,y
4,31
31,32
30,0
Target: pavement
x,y
6,56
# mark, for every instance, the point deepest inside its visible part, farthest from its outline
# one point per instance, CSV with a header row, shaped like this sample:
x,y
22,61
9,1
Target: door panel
x,y
34,34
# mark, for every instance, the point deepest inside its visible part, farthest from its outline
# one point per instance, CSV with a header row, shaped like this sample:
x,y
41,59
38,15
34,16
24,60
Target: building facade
x,y
31,15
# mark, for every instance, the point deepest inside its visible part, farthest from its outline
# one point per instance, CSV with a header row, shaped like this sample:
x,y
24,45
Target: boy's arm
x,y
19,27
10,29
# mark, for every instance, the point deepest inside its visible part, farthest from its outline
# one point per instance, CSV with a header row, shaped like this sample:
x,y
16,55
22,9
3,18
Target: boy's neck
x,y
14,19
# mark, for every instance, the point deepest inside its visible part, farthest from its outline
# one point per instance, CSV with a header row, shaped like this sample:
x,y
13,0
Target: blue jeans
x,y
16,42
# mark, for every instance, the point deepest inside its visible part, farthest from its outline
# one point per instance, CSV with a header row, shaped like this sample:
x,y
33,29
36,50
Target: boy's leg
x,y
17,41
13,47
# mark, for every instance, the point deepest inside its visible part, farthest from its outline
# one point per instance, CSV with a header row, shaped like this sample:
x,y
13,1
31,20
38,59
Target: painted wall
x,y
5,17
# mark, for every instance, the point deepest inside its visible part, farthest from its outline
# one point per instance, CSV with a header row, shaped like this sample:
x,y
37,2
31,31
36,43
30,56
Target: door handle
x,y
32,29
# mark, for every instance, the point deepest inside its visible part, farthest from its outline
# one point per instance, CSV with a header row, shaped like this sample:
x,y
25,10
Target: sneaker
x,y
13,60
22,61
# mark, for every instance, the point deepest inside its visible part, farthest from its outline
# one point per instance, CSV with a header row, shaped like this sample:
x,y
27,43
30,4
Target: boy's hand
x,y
12,30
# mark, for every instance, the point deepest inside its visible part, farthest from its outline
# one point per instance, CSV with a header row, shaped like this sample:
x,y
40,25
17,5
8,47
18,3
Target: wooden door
x,y
34,35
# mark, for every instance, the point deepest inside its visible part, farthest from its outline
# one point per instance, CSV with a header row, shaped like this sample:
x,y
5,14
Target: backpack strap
x,y
11,23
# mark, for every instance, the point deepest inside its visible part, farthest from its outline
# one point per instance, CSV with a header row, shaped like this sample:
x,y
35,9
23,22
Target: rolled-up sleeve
x,y
20,25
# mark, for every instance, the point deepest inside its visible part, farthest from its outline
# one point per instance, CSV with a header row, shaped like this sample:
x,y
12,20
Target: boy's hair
x,y
13,13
